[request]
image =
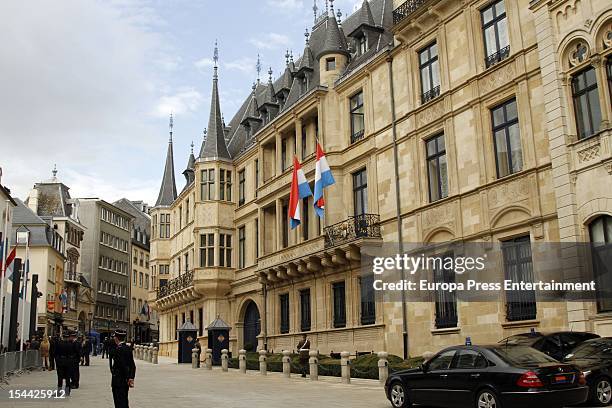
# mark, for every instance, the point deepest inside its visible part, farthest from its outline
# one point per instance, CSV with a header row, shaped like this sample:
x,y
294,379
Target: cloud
x,y
245,65
183,101
203,63
271,41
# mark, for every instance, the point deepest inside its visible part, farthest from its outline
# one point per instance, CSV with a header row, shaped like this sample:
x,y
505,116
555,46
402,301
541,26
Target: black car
x,y
594,358
488,377
557,344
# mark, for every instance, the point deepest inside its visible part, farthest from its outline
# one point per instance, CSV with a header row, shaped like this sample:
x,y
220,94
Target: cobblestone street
x,y
170,385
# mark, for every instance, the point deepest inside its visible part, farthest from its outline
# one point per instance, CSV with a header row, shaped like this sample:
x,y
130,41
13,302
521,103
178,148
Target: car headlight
x,y
586,373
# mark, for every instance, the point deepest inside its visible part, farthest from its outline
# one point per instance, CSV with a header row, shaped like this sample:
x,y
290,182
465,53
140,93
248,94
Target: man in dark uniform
x,y
76,374
65,354
303,349
86,351
123,369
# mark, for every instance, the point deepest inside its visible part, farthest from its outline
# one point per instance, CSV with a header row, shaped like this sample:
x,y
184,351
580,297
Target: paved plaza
x,y
171,385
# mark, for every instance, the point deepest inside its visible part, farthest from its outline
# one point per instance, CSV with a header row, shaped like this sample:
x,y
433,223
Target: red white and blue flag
x,y
299,190
6,271
323,178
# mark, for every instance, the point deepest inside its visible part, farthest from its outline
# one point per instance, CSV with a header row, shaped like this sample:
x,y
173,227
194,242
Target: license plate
x,y
560,379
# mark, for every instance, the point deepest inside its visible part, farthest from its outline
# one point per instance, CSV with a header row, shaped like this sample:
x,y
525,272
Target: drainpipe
x,y
398,215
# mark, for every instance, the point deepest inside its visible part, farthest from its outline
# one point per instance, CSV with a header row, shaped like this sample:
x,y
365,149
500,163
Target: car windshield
x,y
522,339
523,356
601,348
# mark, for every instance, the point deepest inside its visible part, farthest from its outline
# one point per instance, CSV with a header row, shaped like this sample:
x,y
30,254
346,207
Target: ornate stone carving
x,y
430,114
608,167
291,254
499,76
607,38
579,54
514,191
441,216
588,154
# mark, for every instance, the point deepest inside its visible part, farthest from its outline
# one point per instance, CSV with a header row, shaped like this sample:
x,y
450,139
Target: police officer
x,y
123,369
64,354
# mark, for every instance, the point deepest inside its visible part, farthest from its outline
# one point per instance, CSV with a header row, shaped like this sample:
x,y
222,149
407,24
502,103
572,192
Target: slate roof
x,y
40,230
219,324
215,146
167,190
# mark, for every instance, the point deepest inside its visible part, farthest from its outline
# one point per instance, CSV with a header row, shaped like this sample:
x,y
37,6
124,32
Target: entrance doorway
x,y
252,326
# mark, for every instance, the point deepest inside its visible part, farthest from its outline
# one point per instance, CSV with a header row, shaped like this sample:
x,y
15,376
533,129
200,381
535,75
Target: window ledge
x,y
446,331
521,323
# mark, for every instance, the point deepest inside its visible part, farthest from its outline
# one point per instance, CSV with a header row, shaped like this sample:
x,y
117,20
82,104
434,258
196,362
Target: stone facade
x,y
543,192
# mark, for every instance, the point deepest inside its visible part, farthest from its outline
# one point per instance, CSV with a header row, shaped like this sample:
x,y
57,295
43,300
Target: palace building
x,y
442,120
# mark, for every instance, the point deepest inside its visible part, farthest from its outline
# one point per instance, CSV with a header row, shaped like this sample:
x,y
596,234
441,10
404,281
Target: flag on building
x,y
323,178
146,311
299,190
7,271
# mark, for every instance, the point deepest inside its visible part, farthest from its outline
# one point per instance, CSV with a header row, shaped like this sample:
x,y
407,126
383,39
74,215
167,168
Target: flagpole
x,y
26,269
5,250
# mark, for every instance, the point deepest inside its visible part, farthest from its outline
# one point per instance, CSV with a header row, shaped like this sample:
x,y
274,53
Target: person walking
x,y
52,345
76,374
303,349
86,351
123,370
105,348
44,352
198,346
65,354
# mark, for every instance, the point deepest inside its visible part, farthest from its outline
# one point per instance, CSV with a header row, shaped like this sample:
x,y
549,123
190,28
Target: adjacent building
x,y
442,121
106,259
143,319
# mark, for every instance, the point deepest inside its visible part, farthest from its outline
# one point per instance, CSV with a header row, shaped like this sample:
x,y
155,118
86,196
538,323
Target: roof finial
x,y
192,147
204,134
287,56
254,87
216,58
307,35
171,126
270,75
291,56
54,171
258,67
326,7
339,15
331,8
314,10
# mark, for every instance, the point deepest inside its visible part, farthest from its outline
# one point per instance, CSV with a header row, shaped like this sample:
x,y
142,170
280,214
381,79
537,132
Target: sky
x,y
89,85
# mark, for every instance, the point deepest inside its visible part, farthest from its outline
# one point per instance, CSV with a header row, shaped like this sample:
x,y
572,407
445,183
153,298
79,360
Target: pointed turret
x,y
189,171
365,21
215,146
306,63
167,191
334,39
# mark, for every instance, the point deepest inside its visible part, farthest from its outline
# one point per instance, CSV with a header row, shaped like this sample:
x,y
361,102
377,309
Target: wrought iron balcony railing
x,y
357,136
433,93
359,226
176,284
71,276
406,9
498,56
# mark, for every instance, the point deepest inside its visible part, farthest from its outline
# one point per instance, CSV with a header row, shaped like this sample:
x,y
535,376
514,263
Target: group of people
x,y
65,355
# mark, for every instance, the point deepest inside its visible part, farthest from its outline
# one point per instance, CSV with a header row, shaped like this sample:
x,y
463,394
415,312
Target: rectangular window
x,y
609,71
303,84
586,103
241,247
200,321
362,45
495,32
285,224
140,279
256,176
256,239
225,185
507,139
207,184
187,211
305,310
430,73
135,273
164,226
446,302
304,143
339,299
284,161
330,64
225,250
600,233
518,267
241,183
437,171
360,192
284,313
368,303
222,184
207,247
357,117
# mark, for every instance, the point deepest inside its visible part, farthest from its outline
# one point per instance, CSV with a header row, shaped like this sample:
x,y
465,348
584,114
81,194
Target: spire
x,y
214,147
364,19
189,170
334,39
258,67
167,190
314,10
54,171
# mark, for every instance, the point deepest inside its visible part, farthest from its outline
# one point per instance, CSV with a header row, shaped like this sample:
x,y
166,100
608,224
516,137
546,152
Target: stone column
x,y
242,364
345,366
263,362
314,364
136,351
150,354
224,360
287,363
144,353
194,358
383,367
209,359
155,355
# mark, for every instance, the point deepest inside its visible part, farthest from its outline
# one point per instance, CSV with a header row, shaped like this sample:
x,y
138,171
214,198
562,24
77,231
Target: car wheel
x,y
602,392
398,395
487,398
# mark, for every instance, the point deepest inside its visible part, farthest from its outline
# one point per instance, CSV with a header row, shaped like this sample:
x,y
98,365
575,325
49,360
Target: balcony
x,y
498,56
352,229
406,9
72,277
430,95
177,291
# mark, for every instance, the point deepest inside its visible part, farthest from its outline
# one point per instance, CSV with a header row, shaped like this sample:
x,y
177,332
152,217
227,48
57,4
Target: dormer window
x,y
362,45
303,84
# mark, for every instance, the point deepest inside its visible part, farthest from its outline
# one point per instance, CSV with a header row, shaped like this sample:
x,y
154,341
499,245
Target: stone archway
x,y
252,326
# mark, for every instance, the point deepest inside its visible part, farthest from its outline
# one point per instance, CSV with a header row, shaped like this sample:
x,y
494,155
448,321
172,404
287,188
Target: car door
x,y
431,387
468,371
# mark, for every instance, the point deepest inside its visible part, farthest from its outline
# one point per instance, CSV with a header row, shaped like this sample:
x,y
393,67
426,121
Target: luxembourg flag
x,y
323,178
8,269
299,190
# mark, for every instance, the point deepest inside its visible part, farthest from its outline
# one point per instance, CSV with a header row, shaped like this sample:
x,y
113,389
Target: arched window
x,y
600,233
